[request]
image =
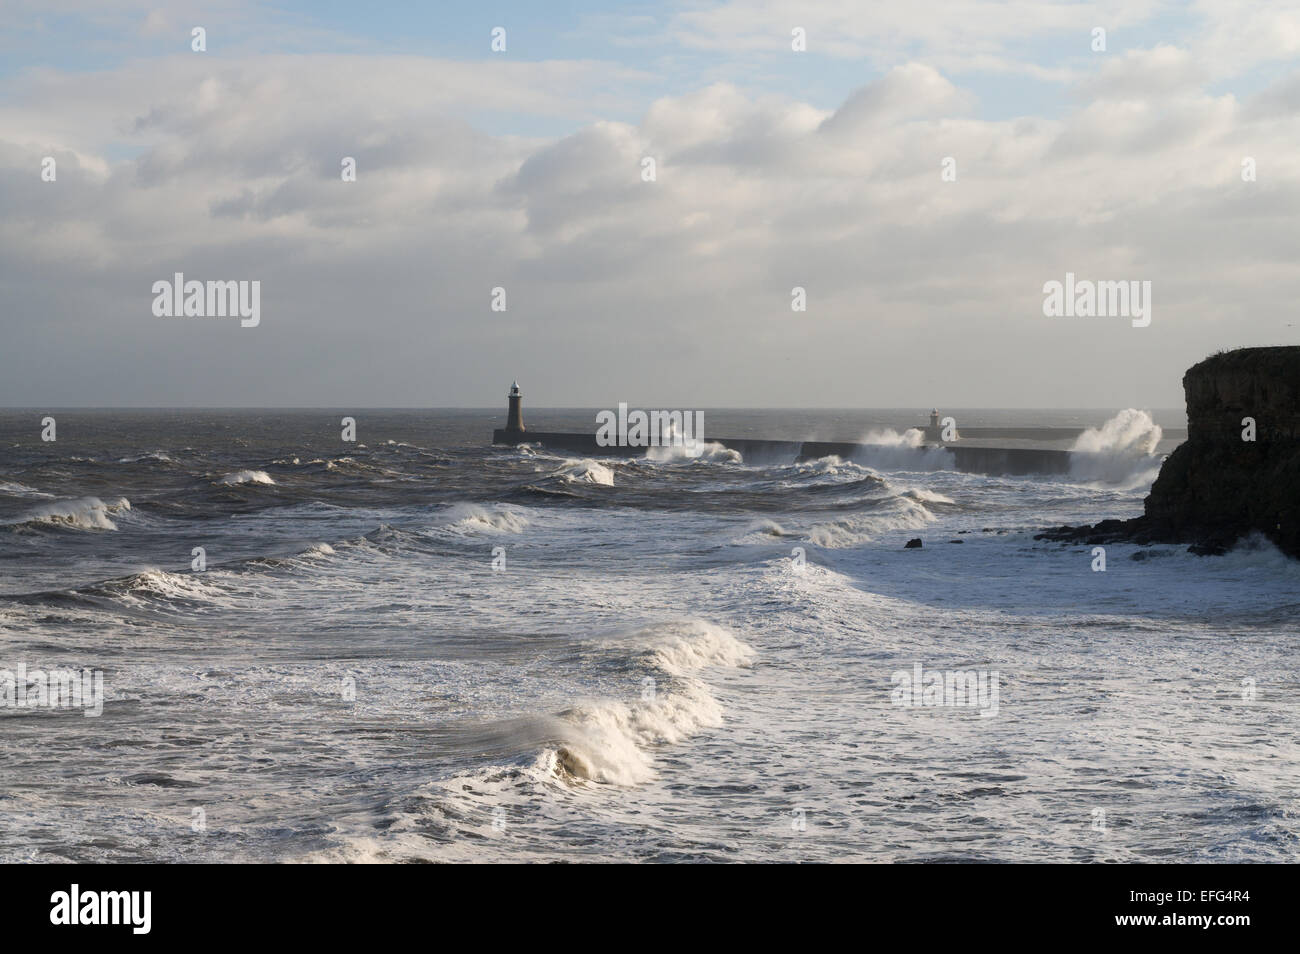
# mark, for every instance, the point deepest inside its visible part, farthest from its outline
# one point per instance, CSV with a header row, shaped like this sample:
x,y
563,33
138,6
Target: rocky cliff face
x,y
1219,485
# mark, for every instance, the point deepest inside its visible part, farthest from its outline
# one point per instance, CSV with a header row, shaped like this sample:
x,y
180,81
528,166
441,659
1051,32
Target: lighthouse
x,y
515,416
934,418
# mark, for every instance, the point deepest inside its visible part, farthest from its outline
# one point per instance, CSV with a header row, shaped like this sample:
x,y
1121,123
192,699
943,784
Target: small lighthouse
x,y
515,417
934,418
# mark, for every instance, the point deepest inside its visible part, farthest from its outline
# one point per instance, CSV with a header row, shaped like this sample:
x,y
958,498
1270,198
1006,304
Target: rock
x,y
1107,531
913,544
1216,487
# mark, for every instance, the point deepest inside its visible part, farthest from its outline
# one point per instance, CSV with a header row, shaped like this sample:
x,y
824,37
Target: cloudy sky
x,y
522,169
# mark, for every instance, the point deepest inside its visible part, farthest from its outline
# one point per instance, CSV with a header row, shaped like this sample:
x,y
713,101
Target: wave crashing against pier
x,y
915,449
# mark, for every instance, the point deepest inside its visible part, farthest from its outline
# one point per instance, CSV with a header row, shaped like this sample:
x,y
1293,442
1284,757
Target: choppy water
x,y
649,677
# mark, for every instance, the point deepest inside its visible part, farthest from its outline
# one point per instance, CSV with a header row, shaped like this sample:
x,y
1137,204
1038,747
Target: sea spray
x,y
610,740
80,513
246,477
1120,453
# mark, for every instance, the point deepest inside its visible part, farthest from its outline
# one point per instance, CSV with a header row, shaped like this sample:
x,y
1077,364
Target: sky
x,y
920,169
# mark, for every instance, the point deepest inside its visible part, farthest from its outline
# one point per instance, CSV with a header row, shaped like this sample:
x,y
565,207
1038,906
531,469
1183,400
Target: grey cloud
x,y
677,290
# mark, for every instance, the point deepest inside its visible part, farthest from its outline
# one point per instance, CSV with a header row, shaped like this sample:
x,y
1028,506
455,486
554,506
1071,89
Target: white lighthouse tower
x,y
515,416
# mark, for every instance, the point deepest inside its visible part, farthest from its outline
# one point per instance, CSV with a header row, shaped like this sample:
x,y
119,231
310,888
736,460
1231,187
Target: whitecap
x,y
82,513
246,477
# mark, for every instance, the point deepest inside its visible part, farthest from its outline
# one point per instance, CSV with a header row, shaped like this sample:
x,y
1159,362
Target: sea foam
x,y
612,741
1120,453
81,513
246,477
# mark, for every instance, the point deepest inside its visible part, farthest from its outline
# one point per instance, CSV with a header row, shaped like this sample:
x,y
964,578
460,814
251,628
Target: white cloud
x,y
676,290
955,34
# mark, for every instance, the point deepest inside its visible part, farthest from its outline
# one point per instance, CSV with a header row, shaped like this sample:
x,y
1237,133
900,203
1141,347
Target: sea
x,y
414,646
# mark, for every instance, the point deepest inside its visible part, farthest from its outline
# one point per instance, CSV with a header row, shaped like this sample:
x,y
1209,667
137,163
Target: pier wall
x,y
975,460
1029,433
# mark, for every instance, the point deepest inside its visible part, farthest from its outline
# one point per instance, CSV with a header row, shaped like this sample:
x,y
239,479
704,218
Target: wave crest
x,y
80,513
896,513
246,477
708,451
471,518
159,585
1120,453
587,471
15,489
612,741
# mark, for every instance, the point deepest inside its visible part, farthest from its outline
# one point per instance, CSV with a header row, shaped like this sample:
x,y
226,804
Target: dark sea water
x,y
671,659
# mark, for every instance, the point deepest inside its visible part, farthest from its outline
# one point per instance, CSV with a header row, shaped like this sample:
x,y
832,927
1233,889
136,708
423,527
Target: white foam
x,y
154,583
587,471
1255,552
763,531
15,489
1120,453
693,644
888,437
928,496
83,513
708,451
854,529
833,466
611,741
887,449
466,518
246,477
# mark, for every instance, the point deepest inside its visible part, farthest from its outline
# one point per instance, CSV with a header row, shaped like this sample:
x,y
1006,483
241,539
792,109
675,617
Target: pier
x,y
974,460
968,458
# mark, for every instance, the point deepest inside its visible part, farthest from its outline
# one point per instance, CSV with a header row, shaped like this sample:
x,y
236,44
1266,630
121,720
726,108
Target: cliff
x,y
1218,486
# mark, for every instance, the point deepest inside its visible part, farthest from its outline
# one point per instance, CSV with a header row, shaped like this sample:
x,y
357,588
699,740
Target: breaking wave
x,y
888,437
246,477
15,489
764,531
1120,453
927,496
154,585
612,741
467,518
602,742
894,513
711,452
81,513
887,449
836,469
587,471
